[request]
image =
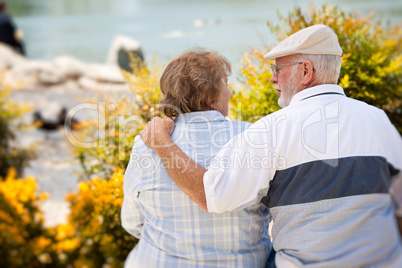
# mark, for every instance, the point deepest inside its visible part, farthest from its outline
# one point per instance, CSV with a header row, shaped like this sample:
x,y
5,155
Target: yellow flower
x,y
69,244
43,196
65,231
43,242
83,186
11,174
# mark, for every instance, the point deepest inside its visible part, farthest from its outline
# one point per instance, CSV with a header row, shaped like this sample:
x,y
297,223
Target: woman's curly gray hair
x,y
193,81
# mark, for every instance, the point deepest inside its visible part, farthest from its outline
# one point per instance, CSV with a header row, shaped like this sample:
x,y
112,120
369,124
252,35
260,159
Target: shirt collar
x,y
315,91
202,116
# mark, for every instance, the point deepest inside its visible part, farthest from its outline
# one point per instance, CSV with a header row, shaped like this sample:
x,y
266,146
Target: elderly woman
x,y
173,230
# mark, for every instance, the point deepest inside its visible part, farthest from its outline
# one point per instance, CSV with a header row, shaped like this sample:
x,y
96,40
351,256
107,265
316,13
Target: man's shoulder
x,y
284,114
364,110
238,125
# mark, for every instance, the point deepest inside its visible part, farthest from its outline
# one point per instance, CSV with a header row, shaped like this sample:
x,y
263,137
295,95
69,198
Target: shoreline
x,y
55,168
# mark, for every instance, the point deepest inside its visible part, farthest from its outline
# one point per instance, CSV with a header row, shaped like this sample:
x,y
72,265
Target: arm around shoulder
x,y
187,174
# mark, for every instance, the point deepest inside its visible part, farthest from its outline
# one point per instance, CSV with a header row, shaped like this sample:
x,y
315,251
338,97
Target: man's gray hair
x,y
327,67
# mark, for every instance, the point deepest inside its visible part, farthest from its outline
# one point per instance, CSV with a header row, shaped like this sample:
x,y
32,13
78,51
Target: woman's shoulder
x,y
140,146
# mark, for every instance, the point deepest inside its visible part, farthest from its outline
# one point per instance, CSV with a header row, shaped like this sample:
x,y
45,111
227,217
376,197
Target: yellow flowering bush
x,y
124,118
255,96
24,241
10,155
95,218
371,65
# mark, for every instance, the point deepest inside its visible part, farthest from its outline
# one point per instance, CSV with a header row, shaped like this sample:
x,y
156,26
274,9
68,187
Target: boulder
x,y
30,68
104,73
51,76
69,67
98,86
43,71
121,51
91,76
8,57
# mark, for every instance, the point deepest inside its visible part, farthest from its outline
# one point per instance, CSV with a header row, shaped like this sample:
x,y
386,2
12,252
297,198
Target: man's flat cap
x,y
318,39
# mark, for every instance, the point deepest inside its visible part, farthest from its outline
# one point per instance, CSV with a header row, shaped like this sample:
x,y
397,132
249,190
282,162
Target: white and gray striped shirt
x,y
323,165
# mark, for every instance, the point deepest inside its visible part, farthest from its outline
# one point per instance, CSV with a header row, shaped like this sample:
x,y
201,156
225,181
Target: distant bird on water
x,y
52,125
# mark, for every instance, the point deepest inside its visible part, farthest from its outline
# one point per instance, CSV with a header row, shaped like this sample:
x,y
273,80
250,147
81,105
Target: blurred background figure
x,y
49,125
8,33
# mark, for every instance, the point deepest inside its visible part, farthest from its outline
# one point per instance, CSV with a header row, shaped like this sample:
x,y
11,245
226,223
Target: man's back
x,y
331,163
330,204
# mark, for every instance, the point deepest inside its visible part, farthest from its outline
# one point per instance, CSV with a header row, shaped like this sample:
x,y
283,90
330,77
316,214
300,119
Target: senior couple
x,y
326,186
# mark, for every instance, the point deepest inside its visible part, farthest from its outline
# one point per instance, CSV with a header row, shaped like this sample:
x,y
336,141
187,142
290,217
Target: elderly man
x,y
322,164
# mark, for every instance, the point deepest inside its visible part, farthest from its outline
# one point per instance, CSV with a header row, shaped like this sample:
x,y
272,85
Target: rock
x,y
51,76
44,72
30,69
69,67
61,69
120,50
8,57
64,68
104,73
93,85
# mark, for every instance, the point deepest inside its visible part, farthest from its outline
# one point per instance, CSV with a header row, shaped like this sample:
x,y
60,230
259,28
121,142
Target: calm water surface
x,y
165,28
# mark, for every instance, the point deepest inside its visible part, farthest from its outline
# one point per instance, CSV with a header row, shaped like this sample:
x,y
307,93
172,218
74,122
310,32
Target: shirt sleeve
x,y
132,217
240,173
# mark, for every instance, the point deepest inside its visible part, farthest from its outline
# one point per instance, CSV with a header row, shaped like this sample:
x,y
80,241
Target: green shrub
x,y
92,237
24,241
122,123
371,66
255,97
10,155
95,218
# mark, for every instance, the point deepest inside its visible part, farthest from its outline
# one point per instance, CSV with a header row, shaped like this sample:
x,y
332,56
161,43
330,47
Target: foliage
x,y
255,97
24,241
10,155
93,236
124,118
95,219
371,68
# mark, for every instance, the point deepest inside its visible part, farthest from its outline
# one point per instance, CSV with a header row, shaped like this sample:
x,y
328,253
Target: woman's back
x,y
174,231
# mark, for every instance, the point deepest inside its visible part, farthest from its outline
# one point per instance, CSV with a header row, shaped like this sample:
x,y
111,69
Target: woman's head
x,y
195,81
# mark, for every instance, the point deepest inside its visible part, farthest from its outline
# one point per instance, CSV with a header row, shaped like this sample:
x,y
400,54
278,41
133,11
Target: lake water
x,y
85,28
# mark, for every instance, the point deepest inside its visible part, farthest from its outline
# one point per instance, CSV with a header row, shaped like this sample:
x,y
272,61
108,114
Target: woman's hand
x,y
156,133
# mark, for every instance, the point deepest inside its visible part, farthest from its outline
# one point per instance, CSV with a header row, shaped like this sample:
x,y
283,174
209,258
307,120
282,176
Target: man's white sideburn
x,y
290,89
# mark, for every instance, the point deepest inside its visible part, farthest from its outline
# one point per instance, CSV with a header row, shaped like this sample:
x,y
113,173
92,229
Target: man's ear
x,y
308,73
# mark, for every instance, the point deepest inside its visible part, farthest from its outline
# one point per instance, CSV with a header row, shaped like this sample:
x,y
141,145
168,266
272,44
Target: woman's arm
x,y
132,217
